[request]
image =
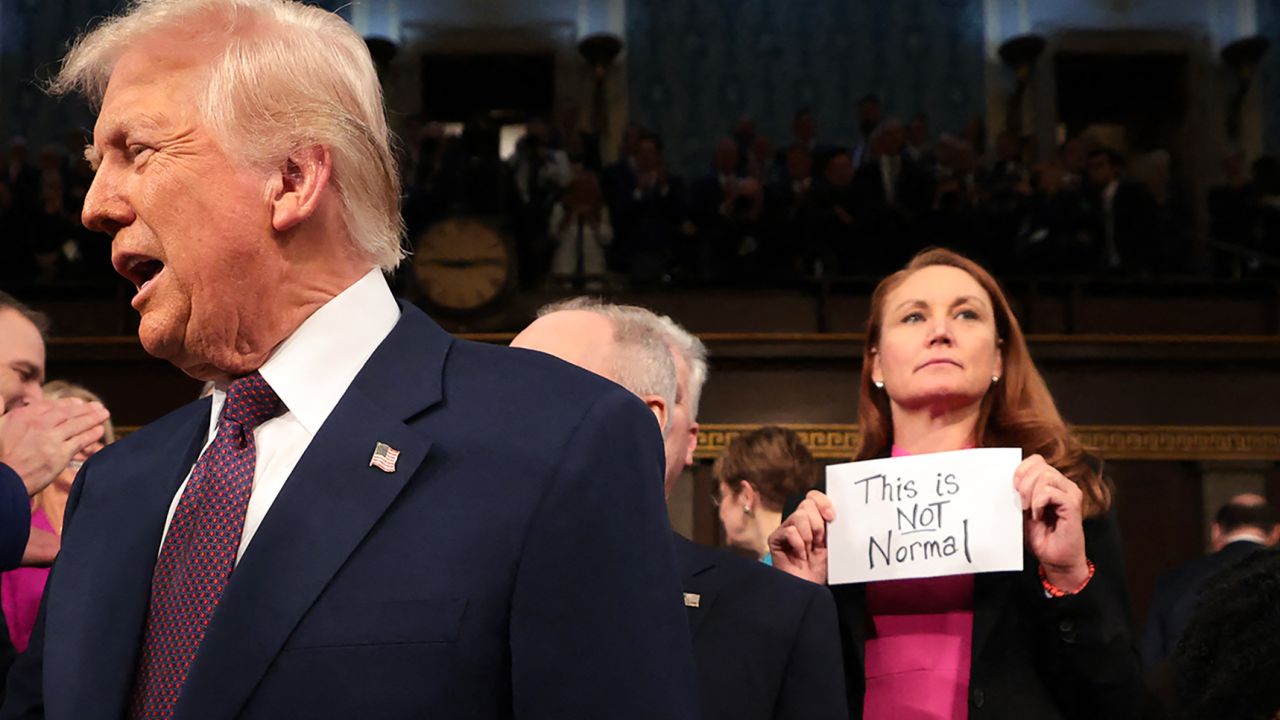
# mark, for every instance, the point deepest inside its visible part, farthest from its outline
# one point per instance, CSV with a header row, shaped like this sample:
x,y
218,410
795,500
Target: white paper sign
x,y
918,516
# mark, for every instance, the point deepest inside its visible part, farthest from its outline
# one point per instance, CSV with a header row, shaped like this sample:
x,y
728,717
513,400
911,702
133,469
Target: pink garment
x,y
20,592
917,665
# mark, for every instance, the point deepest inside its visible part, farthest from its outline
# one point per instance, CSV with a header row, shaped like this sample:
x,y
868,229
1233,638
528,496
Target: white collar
x,y
1246,535
312,369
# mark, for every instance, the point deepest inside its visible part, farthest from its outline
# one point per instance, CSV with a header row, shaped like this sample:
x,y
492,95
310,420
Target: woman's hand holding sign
x,y
1053,521
799,545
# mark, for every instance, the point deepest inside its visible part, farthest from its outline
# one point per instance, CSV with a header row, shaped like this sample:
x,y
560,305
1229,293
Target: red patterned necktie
x,y
199,551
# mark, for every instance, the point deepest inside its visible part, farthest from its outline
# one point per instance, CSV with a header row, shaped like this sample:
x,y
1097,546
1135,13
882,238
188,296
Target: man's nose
x,y
105,210
31,392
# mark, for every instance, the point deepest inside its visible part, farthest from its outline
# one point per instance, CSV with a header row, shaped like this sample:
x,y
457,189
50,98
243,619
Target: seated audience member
x,y
1266,177
754,477
788,214
648,213
1170,213
1233,208
765,645
21,589
1227,665
762,162
538,173
1053,237
1122,217
581,231
870,115
891,191
946,367
838,248
956,197
804,130
920,143
713,201
1244,526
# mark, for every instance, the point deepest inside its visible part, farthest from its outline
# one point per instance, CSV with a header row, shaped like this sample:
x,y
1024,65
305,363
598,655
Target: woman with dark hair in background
x,y
946,367
754,478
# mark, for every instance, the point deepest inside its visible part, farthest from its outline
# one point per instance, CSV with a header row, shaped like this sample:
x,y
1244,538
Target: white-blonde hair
x,y
694,354
641,360
285,76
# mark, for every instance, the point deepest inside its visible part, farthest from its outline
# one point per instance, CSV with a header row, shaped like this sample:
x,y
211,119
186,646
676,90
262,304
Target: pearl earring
x,y
995,379
878,383
746,509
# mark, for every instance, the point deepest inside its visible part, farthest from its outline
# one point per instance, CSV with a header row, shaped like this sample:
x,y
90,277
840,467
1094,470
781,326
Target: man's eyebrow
x,y
24,368
92,155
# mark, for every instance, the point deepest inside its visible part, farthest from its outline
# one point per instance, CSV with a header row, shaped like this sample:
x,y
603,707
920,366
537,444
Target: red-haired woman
x,y
946,367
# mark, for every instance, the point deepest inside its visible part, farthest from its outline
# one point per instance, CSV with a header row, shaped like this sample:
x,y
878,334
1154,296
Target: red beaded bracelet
x,y
1054,591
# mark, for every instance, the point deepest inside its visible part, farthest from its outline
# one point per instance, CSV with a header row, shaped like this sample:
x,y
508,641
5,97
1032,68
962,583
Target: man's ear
x,y
1274,536
298,185
1215,537
659,408
693,444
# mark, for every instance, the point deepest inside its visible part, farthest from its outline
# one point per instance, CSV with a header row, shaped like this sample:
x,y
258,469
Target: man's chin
x,y
167,343
159,342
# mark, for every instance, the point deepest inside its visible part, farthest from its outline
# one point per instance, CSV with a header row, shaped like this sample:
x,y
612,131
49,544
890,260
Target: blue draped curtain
x,y
34,35
1269,78
696,66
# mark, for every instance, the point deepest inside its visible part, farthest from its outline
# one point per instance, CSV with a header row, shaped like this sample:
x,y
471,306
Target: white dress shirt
x,y
310,371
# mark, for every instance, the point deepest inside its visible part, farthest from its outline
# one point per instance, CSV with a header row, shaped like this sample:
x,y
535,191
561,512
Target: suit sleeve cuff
x,y
15,518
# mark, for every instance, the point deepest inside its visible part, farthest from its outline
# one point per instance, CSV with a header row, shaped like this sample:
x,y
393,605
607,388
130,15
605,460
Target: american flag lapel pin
x,y
384,457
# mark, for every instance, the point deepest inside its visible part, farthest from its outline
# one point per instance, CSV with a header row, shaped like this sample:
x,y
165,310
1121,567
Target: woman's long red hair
x,y
1018,411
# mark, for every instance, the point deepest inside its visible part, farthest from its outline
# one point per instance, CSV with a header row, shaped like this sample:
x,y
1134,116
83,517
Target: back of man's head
x,y
693,355
35,317
639,359
1245,517
281,76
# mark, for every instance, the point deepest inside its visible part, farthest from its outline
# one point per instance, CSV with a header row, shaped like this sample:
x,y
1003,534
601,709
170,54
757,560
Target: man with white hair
x,y
766,645
367,518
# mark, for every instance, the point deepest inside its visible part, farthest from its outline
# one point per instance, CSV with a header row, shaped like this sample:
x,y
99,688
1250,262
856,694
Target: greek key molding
x,y
1114,442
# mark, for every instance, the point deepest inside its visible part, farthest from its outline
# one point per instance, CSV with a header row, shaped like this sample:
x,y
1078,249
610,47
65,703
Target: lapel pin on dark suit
x,y
384,457
692,600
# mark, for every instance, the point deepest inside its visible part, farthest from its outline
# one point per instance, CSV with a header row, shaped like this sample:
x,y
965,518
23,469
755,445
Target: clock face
x,y
462,264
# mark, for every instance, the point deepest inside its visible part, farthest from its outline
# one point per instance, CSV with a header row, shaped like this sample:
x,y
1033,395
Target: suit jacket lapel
x,y
325,509
699,577
95,618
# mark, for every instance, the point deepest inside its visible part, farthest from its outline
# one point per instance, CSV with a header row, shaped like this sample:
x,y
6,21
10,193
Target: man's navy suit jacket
x,y
15,525
1174,600
767,645
518,562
